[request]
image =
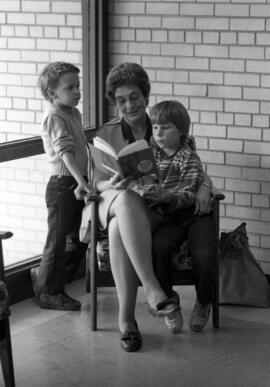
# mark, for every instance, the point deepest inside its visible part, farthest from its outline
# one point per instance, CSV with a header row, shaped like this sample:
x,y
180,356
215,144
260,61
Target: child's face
x,y
167,137
67,92
131,104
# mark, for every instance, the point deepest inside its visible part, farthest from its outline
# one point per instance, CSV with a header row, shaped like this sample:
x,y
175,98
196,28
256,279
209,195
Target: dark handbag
x,y
241,279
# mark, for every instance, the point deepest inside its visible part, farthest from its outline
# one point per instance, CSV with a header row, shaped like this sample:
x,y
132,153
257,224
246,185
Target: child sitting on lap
x,y
171,204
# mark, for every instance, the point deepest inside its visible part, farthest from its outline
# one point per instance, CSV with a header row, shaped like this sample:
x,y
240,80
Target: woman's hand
x,y
156,195
81,190
203,201
117,182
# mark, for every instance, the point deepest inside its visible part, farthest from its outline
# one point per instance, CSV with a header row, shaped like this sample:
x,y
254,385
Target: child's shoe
x,y
174,322
199,316
60,301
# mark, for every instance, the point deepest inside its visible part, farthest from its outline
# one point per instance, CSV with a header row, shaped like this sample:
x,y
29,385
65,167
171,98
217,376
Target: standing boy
x,y
65,145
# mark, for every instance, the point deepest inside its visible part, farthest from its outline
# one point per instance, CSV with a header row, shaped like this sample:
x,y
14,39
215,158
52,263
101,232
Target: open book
x,y
135,159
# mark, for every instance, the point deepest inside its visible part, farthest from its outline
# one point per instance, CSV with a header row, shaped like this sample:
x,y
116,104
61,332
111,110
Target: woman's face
x,y
131,104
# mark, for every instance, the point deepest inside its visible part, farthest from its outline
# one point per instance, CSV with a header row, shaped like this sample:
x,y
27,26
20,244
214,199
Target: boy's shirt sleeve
x,y
61,139
190,180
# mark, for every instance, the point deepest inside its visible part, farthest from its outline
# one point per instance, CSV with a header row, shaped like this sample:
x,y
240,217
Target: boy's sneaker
x,y
199,316
60,301
174,322
34,274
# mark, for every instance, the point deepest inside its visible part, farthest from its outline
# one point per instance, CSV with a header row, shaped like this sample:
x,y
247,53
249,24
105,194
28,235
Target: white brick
x,y
10,79
7,5
21,18
247,52
212,51
121,21
261,201
144,48
161,88
51,44
160,8
224,171
189,90
74,20
192,63
172,48
256,174
242,119
246,38
196,9
211,157
171,76
232,10
224,118
242,212
50,19
208,118
129,8
51,32
65,56
66,33
206,77
243,199
256,93
260,10
247,24
7,30
176,36
209,104
266,135
35,56
5,103
258,66
242,185
158,61
212,23
21,43
62,7
179,23
257,147
145,22
9,55
241,106
261,121
228,38
19,103
35,6
224,91
19,115
242,79
226,145
191,36
21,31
22,68
77,32
209,130
227,65
265,162
159,36
14,91
244,133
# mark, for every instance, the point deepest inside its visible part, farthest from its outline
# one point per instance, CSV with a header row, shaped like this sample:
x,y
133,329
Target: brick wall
x,y
32,34
214,57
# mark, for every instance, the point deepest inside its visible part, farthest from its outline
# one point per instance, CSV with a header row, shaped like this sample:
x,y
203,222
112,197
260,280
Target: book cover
x,y
135,159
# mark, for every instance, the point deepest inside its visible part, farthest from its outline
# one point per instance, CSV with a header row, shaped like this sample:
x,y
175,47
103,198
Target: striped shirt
x,y
180,175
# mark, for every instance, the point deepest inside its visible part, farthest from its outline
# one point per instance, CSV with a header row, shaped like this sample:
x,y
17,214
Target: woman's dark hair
x,y
174,112
127,73
50,75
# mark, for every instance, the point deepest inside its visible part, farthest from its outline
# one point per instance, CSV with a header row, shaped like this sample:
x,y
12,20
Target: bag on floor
x,y
241,279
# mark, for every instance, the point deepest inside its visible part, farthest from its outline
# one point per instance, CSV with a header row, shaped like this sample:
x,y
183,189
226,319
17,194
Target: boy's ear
x,y
51,93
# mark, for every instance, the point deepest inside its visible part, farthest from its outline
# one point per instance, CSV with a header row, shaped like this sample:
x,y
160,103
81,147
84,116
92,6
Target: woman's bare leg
x,y
125,278
135,232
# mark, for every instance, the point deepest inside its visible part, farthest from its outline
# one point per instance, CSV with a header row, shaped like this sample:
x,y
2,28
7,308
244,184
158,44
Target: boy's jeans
x,y
200,232
64,219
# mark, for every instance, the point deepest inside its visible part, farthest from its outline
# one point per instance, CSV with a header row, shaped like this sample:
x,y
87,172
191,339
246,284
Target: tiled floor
x,y
54,349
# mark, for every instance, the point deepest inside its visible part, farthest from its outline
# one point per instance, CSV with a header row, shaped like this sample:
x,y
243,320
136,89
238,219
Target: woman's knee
x,y
128,199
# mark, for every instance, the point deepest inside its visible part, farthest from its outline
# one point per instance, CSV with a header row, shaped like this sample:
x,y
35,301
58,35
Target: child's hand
x,y
156,195
81,190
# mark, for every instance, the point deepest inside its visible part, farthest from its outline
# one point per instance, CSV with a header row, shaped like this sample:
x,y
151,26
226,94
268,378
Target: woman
x,y
122,211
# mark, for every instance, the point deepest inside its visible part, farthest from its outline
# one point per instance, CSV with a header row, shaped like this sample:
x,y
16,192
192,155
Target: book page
x,y
133,147
104,146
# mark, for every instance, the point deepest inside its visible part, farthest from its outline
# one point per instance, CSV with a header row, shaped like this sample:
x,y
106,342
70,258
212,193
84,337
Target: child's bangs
x,y
159,115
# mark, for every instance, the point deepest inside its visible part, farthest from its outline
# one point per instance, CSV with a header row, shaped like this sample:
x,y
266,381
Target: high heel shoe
x,y
164,308
131,341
